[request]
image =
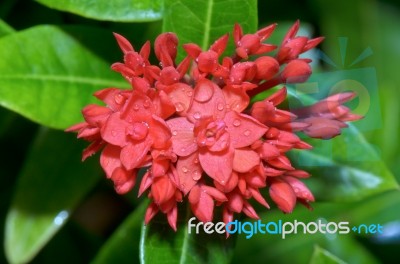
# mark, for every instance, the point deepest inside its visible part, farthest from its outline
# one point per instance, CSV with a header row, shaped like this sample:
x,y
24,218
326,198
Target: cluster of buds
x,y
192,128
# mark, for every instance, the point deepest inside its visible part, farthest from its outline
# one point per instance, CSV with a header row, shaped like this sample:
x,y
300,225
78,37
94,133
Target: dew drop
x,y
196,161
185,170
236,122
220,106
118,99
196,175
189,93
247,133
113,133
146,103
197,115
136,107
179,107
174,133
223,182
183,149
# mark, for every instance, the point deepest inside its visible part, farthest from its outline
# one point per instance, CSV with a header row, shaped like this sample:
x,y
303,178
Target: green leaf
x,y
160,244
345,168
5,29
49,74
322,256
203,22
116,10
51,183
123,245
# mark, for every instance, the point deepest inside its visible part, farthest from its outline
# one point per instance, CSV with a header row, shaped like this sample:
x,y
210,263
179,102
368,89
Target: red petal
x,y
220,44
95,114
162,189
189,171
110,159
123,43
249,210
258,197
208,101
214,193
160,133
211,163
204,209
180,95
283,195
145,183
183,141
123,180
172,216
114,130
132,155
236,99
138,108
245,160
151,211
91,149
300,189
235,202
243,129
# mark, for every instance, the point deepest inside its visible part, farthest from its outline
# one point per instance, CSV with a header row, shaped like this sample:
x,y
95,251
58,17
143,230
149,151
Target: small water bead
x,y
174,133
236,123
189,93
196,175
196,161
220,106
197,115
146,103
136,107
118,99
247,133
179,107
113,133
185,170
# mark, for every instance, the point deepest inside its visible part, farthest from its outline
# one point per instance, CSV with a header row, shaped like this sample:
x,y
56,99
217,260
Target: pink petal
x,y
183,141
249,210
114,130
189,171
123,43
110,159
123,180
211,163
243,129
245,160
214,193
300,189
133,154
91,149
181,96
235,202
138,108
113,97
95,114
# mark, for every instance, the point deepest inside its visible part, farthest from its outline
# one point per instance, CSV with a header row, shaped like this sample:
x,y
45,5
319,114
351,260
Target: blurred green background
x,y
94,231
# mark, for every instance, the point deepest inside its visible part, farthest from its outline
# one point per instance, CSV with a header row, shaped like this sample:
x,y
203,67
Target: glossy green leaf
x,y
51,183
123,245
203,22
49,74
160,244
322,256
116,10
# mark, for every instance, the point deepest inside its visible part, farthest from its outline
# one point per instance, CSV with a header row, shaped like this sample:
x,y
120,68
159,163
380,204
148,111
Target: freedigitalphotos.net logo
x,y
281,228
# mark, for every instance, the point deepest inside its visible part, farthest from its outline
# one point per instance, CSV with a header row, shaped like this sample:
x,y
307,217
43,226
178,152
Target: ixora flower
x,y
191,126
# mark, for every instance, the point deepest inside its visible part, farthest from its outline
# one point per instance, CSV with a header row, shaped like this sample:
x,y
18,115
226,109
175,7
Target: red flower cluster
x,y
191,125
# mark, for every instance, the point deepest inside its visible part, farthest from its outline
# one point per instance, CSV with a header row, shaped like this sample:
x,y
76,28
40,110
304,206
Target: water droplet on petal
x,y
179,107
146,103
236,122
247,133
189,93
113,133
196,161
196,175
174,133
183,149
220,106
223,182
136,107
185,170
197,115
118,99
